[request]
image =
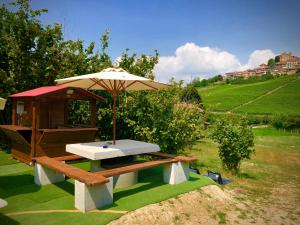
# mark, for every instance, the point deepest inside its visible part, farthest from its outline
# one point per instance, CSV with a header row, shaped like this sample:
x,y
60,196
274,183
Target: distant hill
x,y
277,96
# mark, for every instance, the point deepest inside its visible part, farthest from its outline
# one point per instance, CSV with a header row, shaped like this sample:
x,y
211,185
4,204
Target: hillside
x,y
277,96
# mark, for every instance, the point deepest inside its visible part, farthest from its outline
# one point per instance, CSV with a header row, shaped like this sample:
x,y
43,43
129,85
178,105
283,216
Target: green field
x,y
277,96
276,158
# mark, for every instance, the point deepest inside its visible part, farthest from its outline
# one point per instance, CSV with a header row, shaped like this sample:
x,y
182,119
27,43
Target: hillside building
x,y
286,64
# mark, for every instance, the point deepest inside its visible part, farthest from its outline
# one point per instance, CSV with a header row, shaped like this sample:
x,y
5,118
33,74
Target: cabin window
x,y
79,113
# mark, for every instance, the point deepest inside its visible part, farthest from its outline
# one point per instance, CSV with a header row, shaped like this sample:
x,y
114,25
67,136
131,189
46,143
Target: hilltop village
x,y
285,63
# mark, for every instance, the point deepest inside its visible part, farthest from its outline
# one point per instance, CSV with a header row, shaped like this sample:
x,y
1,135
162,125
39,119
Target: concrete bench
x,y
95,190
91,190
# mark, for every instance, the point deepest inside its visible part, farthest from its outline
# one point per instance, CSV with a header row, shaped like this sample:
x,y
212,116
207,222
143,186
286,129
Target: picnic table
x,y
95,189
96,151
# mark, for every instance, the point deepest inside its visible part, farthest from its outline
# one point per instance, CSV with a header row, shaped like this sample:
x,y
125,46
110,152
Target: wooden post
x,y
114,93
34,129
114,117
93,113
14,113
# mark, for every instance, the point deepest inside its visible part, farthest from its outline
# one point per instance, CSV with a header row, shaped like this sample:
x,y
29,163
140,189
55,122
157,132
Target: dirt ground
x,y
211,205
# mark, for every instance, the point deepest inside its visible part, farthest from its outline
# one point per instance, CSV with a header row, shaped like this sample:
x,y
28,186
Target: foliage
x,y
160,117
236,141
191,95
251,79
206,82
142,66
271,63
286,122
34,55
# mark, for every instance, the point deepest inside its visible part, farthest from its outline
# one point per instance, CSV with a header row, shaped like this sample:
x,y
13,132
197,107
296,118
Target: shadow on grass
x,y
66,186
133,191
248,176
17,184
4,220
152,178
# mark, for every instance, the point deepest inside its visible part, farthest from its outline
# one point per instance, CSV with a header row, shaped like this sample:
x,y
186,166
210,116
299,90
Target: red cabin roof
x,y
39,91
48,90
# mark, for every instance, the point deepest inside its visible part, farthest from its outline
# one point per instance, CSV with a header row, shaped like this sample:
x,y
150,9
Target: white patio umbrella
x,y
113,80
3,203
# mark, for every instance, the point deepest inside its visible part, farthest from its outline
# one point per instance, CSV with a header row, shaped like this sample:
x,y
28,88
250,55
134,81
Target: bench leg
x,y
92,197
44,175
176,173
95,166
125,180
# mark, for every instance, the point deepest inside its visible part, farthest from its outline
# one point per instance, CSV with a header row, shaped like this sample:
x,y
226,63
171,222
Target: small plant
x,y
222,217
236,141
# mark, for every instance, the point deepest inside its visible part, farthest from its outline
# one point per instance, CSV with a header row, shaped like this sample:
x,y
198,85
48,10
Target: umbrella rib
x,y
131,84
121,85
102,84
143,84
148,85
92,84
111,85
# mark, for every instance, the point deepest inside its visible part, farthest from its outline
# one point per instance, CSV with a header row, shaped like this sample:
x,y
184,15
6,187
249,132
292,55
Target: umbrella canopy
x,y
113,80
3,203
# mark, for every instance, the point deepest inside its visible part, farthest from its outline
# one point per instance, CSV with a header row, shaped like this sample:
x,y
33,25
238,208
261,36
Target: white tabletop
x,y
95,150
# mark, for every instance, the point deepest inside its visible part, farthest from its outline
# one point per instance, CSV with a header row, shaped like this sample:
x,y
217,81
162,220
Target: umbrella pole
x,y
114,117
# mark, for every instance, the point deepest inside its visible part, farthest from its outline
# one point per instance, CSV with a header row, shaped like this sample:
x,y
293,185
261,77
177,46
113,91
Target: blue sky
x,y
236,27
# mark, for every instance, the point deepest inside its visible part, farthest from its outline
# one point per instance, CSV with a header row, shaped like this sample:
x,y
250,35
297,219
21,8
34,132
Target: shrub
x,y
286,122
190,95
236,141
160,117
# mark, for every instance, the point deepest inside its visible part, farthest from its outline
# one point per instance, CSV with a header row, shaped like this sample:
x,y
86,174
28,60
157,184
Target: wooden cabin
x,y
40,122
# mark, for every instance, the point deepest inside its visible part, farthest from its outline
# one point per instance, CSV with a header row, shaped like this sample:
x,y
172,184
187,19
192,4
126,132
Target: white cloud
x,y
191,61
258,57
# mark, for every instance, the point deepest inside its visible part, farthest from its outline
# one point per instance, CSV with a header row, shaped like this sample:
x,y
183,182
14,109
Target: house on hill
x,y
286,63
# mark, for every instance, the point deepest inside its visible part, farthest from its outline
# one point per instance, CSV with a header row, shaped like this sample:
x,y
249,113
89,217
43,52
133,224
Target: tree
x,y
160,117
34,55
271,63
190,95
236,141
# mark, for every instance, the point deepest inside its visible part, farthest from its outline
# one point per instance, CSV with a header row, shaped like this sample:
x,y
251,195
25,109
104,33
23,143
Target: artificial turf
x,y
18,189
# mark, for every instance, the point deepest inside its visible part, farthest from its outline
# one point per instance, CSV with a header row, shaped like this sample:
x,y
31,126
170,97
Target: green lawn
x,y
18,188
275,162
284,101
226,97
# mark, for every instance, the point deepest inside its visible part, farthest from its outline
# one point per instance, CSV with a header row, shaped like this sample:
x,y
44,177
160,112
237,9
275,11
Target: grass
x,y
221,217
275,162
285,101
18,189
227,97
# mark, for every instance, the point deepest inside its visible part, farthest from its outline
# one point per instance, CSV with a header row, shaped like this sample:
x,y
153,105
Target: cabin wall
x,y
57,114
52,115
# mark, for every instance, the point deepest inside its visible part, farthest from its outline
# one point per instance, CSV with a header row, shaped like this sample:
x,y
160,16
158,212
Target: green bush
x,y
161,117
190,95
251,79
286,122
236,141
